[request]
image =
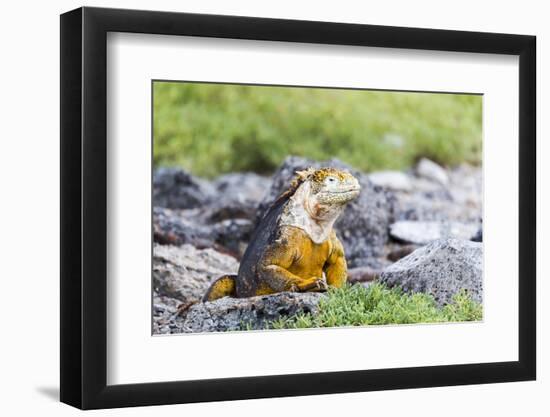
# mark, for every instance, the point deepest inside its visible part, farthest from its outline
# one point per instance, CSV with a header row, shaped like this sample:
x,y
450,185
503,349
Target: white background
x,y
134,356
29,213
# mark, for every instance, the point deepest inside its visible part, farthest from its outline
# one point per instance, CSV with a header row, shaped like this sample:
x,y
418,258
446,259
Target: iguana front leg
x,y
273,269
336,269
280,279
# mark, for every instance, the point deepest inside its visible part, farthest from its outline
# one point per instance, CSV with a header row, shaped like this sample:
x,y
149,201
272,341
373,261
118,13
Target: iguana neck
x,y
303,211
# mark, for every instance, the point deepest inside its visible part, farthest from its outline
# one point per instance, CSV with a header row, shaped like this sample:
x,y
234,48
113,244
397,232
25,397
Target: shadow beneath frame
x,y
50,392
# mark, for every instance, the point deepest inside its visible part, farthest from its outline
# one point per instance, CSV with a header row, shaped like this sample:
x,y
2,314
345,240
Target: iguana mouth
x,y
338,197
349,190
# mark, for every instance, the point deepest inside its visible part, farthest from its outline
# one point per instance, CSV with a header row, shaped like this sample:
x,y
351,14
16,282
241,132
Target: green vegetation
x,y
358,306
210,129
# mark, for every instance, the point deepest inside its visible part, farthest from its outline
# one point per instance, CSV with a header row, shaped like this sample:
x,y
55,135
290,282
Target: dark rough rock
x,y
165,317
242,187
175,188
185,273
363,227
422,232
219,214
441,268
233,235
398,251
227,210
362,274
478,237
253,313
172,227
237,197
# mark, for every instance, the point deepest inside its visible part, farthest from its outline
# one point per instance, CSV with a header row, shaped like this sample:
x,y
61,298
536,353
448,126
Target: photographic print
x,y
279,207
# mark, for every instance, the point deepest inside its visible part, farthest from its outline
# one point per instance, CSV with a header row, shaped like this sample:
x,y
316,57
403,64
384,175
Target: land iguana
x,y
294,247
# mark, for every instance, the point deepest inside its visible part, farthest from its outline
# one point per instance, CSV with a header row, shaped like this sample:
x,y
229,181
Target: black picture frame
x,y
84,207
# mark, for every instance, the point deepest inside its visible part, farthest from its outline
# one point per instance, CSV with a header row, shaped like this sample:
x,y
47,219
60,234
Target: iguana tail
x,y
223,286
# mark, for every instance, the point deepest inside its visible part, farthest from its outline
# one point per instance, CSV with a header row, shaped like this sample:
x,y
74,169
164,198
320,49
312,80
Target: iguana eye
x,y
331,179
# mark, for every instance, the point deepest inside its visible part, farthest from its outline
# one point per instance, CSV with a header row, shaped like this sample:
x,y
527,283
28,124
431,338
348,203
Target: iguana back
x,y
264,234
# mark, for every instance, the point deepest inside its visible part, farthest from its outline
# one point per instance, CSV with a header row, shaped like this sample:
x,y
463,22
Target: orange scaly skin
x,y
295,247
295,263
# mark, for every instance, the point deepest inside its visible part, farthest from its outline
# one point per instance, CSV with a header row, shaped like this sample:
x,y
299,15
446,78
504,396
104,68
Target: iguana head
x,y
331,186
316,199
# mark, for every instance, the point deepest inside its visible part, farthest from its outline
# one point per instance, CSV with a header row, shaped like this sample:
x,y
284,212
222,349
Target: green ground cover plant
x,y
356,305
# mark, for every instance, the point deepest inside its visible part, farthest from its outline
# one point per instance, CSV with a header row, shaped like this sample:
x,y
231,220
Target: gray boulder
x,y
441,268
432,171
175,188
419,232
392,180
459,200
253,313
185,272
363,227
